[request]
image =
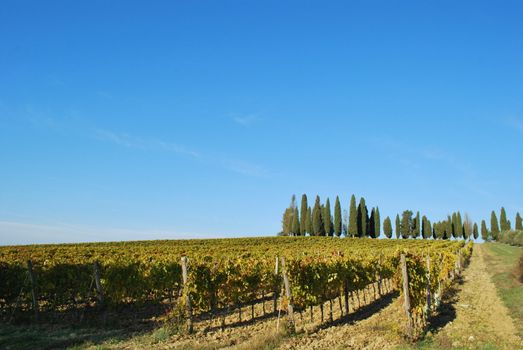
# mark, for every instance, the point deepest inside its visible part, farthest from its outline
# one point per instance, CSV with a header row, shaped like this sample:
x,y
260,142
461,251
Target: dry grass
x,y
519,271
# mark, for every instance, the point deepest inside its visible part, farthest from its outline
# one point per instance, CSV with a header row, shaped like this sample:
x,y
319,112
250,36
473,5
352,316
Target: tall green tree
x,y
377,223
425,231
475,232
449,228
337,217
327,222
303,215
398,226
317,225
387,227
484,231
288,216
454,227
494,226
417,226
503,222
295,223
286,222
363,218
309,221
459,225
519,222
406,224
353,218
370,224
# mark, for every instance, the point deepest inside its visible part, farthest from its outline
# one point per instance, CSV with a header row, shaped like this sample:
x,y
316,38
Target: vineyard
x,y
199,280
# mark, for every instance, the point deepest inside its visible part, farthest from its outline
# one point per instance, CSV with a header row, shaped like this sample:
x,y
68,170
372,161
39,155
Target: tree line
x,y
502,230
319,221
358,221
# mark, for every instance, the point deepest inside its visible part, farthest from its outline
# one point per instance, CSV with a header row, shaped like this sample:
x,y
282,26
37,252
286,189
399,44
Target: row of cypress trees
x,y
359,222
503,225
318,220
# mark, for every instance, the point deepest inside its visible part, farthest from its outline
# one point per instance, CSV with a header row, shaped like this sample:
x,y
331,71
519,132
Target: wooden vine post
x,y
33,287
188,308
405,275
275,297
290,306
346,295
429,296
379,276
97,283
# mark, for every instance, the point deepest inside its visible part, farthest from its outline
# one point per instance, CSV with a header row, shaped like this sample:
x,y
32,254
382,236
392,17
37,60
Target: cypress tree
x,y
322,213
436,230
505,226
475,232
519,222
317,224
429,229
449,228
377,223
425,232
295,223
337,217
303,214
288,216
353,217
370,225
417,226
459,225
362,218
327,223
398,226
494,226
468,227
309,221
286,223
484,231
387,227
454,221
406,224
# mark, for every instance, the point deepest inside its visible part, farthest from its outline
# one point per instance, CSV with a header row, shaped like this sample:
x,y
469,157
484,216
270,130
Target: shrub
x,y
511,237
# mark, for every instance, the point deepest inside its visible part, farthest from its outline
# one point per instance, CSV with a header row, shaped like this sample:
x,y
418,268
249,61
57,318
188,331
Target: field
x,y
337,288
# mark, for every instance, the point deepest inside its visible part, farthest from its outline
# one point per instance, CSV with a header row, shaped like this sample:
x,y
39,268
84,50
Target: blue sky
x,y
175,119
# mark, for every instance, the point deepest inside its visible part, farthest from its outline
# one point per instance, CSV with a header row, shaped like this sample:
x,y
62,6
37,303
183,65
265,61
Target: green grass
x,y
502,260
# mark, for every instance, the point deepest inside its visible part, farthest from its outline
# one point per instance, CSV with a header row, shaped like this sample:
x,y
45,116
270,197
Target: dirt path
x,y
373,329
478,315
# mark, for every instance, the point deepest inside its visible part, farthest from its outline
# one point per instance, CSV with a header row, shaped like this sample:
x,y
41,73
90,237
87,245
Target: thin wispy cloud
x,y
224,161
246,120
245,168
468,176
130,141
417,159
